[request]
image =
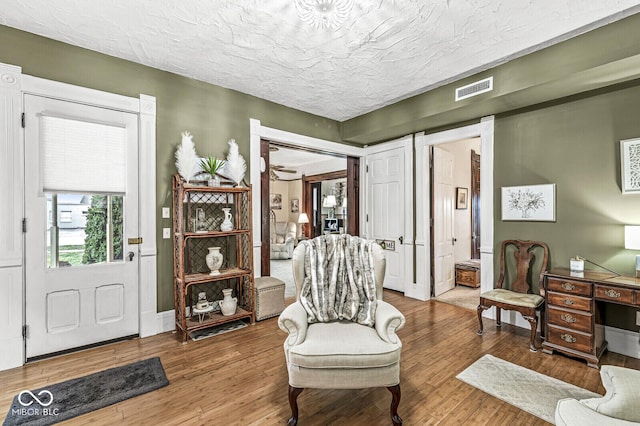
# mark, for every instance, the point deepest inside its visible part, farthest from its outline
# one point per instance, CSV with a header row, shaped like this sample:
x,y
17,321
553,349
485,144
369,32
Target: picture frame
x,y
462,198
630,165
534,203
295,205
275,201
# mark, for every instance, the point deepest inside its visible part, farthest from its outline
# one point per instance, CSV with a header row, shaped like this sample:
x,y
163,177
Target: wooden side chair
x,y
517,294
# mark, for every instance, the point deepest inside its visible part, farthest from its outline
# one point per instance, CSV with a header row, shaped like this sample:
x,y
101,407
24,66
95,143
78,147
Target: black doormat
x,y
62,401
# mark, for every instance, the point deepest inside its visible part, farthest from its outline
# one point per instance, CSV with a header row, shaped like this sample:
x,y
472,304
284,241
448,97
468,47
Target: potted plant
x,y
211,165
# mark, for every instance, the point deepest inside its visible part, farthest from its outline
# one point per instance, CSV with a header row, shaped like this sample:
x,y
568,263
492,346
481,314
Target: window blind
x,y
82,156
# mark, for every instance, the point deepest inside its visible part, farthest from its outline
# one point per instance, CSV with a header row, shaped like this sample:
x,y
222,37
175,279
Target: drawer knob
x,y
568,318
612,293
568,286
567,302
568,338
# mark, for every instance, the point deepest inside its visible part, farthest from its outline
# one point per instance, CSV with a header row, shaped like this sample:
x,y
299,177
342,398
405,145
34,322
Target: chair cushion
x,y
343,344
621,399
513,298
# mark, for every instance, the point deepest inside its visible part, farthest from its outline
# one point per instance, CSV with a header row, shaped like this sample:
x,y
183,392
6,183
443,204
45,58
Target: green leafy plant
x,y
95,242
211,165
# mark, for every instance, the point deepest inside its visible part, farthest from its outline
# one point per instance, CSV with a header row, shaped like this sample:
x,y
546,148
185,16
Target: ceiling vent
x,y
473,89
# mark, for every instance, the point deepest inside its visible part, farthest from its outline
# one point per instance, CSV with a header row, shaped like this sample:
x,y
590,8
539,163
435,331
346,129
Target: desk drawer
x,y
569,287
569,301
614,294
570,339
575,320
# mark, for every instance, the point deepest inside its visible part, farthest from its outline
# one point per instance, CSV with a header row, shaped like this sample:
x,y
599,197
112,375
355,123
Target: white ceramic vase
x,y
227,225
229,304
214,181
214,260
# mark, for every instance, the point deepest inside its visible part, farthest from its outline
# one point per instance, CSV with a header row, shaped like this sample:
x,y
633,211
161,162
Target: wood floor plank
x,y
241,378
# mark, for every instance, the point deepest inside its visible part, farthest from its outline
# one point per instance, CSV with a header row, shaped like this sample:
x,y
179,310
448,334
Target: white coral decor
x,y
186,157
236,166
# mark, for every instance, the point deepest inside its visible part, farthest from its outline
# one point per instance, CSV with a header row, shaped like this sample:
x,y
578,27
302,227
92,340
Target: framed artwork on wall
x,y
275,201
529,203
295,205
630,165
462,197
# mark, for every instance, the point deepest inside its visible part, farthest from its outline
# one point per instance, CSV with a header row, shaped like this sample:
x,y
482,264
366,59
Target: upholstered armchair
x,y
619,406
340,353
283,240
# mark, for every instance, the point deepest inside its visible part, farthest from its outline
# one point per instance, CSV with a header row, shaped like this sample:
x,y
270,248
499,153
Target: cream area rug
x,y
525,389
460,295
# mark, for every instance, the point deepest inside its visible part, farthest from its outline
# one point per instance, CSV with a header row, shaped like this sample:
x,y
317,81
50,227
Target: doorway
x,y
484,129
288,213
452,212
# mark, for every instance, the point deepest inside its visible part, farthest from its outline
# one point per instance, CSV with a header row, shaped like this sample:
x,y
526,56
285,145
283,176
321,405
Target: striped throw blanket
x,y
339,282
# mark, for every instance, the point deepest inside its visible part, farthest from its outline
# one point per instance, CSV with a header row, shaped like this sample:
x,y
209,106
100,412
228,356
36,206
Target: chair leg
x,y
480,309
533,320
498,317
395,401
293,402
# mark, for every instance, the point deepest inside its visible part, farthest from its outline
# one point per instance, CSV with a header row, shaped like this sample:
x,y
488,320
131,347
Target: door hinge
x,y
367,217
24,224
367,168
23,120
25,331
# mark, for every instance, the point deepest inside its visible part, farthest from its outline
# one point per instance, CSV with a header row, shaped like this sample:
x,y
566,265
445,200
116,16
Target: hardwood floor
x,y
240,378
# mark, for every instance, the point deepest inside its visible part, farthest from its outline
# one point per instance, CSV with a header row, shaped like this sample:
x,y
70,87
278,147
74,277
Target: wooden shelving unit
x,y
191,274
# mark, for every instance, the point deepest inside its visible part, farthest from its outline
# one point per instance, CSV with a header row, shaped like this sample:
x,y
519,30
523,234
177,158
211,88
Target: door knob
x,y
130,255
401,239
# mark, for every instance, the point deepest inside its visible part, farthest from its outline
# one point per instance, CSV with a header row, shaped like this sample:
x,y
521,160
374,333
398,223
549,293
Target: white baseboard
x,y
166,321
417,291
623,342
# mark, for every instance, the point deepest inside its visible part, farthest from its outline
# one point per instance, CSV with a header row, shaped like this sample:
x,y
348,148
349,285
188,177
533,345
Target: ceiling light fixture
x,y
324,13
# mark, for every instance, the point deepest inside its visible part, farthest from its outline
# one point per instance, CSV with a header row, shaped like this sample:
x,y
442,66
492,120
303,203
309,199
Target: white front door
x,y
443,240
386,192
81,204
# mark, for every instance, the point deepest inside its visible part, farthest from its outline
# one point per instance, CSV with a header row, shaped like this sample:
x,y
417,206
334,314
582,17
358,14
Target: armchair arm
x,y
572,412
293,320
388,321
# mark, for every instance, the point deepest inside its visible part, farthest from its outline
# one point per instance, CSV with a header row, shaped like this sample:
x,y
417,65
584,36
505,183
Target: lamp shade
x,y
632,237
303,218
329,201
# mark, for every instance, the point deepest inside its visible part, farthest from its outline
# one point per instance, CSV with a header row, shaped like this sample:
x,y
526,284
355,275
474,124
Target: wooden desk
x,y
573,310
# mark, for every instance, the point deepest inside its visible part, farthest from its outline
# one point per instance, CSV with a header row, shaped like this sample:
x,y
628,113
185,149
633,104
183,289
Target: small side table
x,y
202,313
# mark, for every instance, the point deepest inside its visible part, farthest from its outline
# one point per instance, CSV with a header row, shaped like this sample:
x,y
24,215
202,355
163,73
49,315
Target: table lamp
x,y
632,242
330,203
303,218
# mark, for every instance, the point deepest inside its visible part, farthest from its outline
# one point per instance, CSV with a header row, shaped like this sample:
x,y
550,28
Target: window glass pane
x,y
83,229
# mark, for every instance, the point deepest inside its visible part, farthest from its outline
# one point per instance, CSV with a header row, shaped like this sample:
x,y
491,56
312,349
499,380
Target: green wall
x,y
570,141
211,113
575,145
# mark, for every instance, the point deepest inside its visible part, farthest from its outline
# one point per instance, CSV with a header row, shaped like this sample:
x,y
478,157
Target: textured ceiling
x,y
386,51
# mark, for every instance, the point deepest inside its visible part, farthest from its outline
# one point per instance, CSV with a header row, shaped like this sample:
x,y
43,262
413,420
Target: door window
x,y
83,229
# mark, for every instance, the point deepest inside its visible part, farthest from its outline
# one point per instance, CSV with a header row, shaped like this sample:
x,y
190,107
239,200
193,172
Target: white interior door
x,y
81,204
443,240
385,189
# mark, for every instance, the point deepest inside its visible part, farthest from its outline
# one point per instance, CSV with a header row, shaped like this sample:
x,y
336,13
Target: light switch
x,y
166,233
166,213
